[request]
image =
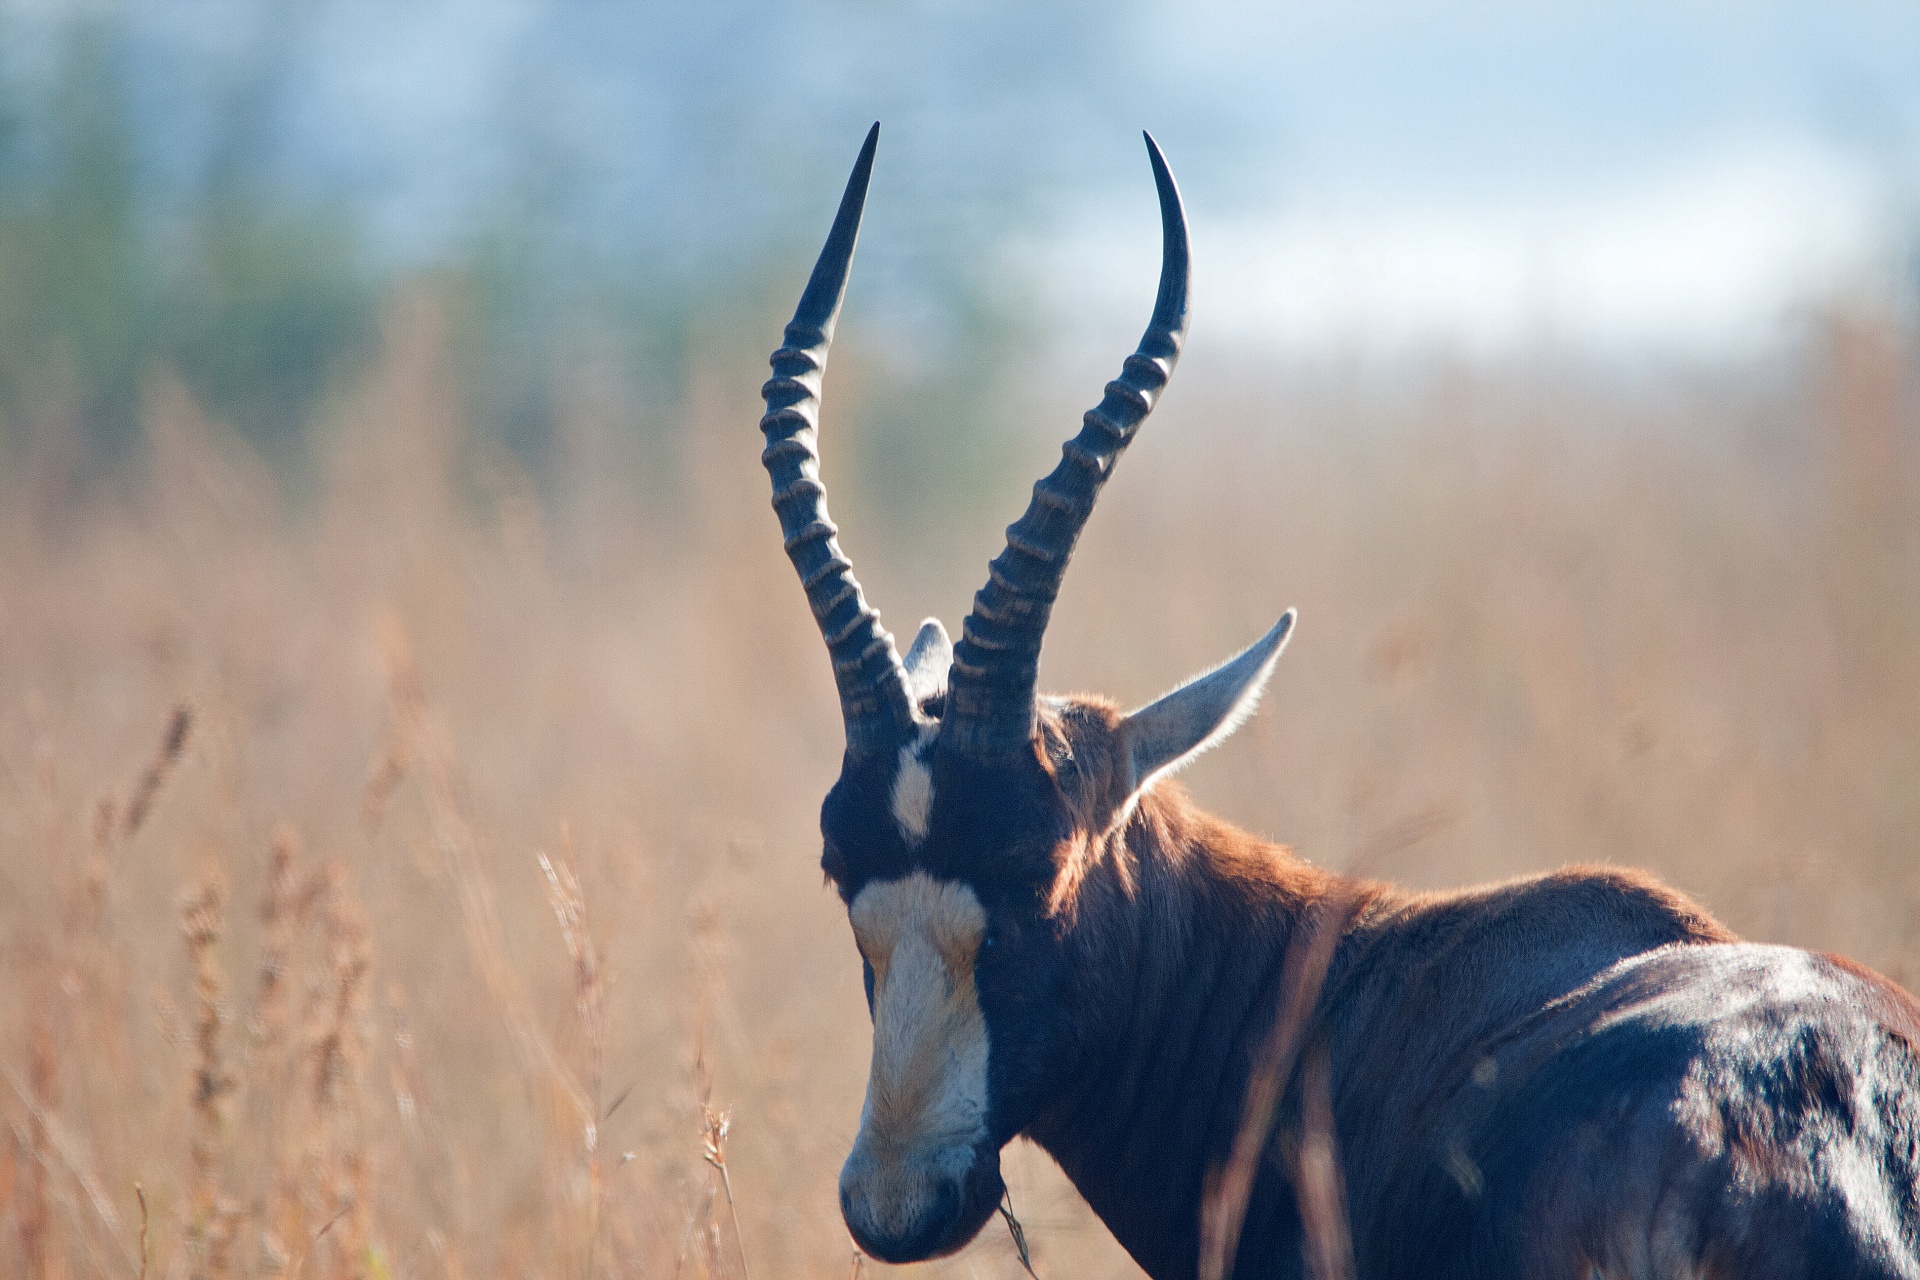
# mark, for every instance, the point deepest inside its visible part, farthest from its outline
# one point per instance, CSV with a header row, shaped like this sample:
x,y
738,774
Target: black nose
x,y
930,1233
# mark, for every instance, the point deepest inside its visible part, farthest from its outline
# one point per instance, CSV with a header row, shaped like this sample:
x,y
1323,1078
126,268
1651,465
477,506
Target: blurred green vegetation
x,y
261,295
252,299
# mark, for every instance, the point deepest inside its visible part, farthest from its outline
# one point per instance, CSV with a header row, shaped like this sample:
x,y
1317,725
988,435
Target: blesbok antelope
x,y
1581,1074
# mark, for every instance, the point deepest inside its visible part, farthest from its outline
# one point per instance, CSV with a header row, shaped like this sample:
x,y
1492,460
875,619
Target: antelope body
x,y
1250,1066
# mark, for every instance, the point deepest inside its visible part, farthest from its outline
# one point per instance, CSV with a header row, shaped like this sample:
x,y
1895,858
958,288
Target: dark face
x,y
957,873
947,868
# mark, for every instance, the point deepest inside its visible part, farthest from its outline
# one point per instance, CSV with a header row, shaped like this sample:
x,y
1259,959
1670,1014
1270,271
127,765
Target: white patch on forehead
x,y
913,788
926,1107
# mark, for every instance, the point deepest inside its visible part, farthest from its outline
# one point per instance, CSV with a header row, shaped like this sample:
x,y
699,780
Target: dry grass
x,y
493,817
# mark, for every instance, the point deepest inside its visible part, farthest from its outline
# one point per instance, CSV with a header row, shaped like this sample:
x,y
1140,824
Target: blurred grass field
x,y
301,997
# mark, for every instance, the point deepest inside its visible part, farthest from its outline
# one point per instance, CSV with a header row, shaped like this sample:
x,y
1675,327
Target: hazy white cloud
x,y
1707,256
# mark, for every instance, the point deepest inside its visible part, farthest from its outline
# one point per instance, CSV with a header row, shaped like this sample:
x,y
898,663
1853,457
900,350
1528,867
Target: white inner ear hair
x,y
913,787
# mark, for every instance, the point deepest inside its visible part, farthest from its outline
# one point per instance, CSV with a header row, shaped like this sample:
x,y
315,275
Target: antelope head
x,y
968,807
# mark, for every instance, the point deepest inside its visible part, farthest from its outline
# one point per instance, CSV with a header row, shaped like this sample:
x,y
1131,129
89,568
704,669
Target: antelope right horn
x,y
991,699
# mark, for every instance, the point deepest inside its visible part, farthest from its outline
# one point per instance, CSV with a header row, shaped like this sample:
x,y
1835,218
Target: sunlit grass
x,y
472,925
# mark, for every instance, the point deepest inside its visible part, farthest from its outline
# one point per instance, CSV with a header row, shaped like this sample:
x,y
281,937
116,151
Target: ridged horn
x,y
991,697
874,701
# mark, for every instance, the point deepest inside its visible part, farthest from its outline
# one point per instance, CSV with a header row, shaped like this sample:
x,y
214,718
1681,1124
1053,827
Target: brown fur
x,y
1580,1074
1575,1074
1181,926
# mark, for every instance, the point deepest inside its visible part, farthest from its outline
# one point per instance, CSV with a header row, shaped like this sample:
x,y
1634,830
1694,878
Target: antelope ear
x,y
928,661
1167,733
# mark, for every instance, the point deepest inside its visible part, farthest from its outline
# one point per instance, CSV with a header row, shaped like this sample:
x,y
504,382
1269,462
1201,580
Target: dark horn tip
x,y
1170,307
863,164
820,303
1162,174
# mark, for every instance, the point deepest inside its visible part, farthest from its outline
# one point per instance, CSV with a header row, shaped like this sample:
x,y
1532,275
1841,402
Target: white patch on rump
x,y
926,1107
913,788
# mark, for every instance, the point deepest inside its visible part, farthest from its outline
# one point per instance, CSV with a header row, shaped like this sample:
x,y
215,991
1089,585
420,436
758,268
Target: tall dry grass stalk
x,y
339,1178
212,1215
1317,1178
704,1221
1224,1205
457,840
179,725
1547,617
33,1209
570,910
707,1228
273,1205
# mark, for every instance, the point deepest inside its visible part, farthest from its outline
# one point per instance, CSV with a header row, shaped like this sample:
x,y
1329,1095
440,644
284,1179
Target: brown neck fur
x,y
1179,928
1181,925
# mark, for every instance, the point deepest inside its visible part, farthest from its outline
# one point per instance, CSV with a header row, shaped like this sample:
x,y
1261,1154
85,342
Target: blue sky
x,y
1664,176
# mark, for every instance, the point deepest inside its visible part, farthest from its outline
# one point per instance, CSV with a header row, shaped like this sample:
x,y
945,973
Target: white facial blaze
x,y
913,788
926,1106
